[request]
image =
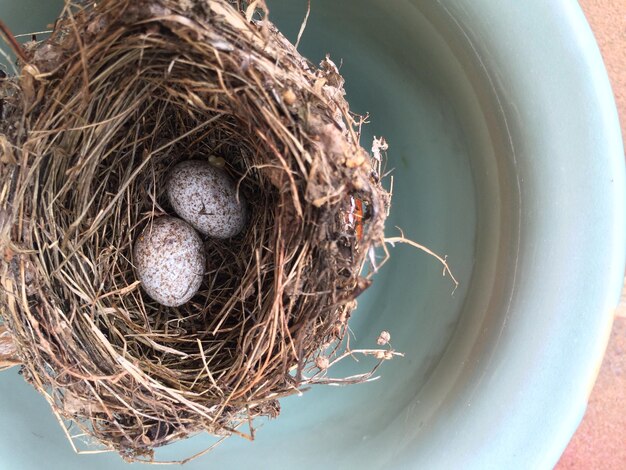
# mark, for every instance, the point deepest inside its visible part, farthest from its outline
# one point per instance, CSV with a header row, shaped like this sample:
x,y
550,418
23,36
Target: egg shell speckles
x,y
206,197
170,261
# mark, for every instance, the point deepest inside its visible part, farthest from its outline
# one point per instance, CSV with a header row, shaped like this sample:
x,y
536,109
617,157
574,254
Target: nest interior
x,y
101,111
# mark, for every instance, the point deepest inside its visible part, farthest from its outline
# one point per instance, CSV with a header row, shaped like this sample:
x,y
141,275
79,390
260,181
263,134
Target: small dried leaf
x,y
6,151
289,97
379,146
383,338
322,362
319,85
48,57
251,10
8,351
355,161
78,405
27,83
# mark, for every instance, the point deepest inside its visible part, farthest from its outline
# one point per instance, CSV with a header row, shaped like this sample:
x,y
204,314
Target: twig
x,y
303,26
12,42
406,241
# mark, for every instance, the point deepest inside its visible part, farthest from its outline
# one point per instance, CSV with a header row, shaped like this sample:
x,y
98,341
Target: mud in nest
x,y
100,112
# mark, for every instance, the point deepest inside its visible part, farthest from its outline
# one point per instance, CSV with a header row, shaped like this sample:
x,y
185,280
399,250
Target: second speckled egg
x,y
206,197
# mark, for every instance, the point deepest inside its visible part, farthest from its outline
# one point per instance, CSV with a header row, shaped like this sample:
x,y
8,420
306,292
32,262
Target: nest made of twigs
x,y
101,111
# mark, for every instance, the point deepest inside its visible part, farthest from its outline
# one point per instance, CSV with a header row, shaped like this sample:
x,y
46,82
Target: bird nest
x,y
100,112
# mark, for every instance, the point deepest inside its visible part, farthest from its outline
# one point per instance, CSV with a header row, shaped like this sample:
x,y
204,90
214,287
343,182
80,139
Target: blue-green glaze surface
x,y
506,156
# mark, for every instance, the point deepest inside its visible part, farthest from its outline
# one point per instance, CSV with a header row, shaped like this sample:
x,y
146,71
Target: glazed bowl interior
x,y
505,156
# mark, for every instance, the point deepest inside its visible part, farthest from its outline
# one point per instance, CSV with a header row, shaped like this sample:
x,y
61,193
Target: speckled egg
x,y
206,197
169,260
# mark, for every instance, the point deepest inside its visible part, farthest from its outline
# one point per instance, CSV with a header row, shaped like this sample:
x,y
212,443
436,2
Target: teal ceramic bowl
x,y
507,157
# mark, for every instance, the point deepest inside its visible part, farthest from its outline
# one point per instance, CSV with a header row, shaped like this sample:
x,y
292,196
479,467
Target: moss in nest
x,y
120,93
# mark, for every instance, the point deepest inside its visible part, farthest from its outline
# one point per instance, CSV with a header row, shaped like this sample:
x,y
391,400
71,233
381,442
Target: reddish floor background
x,y
600,442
